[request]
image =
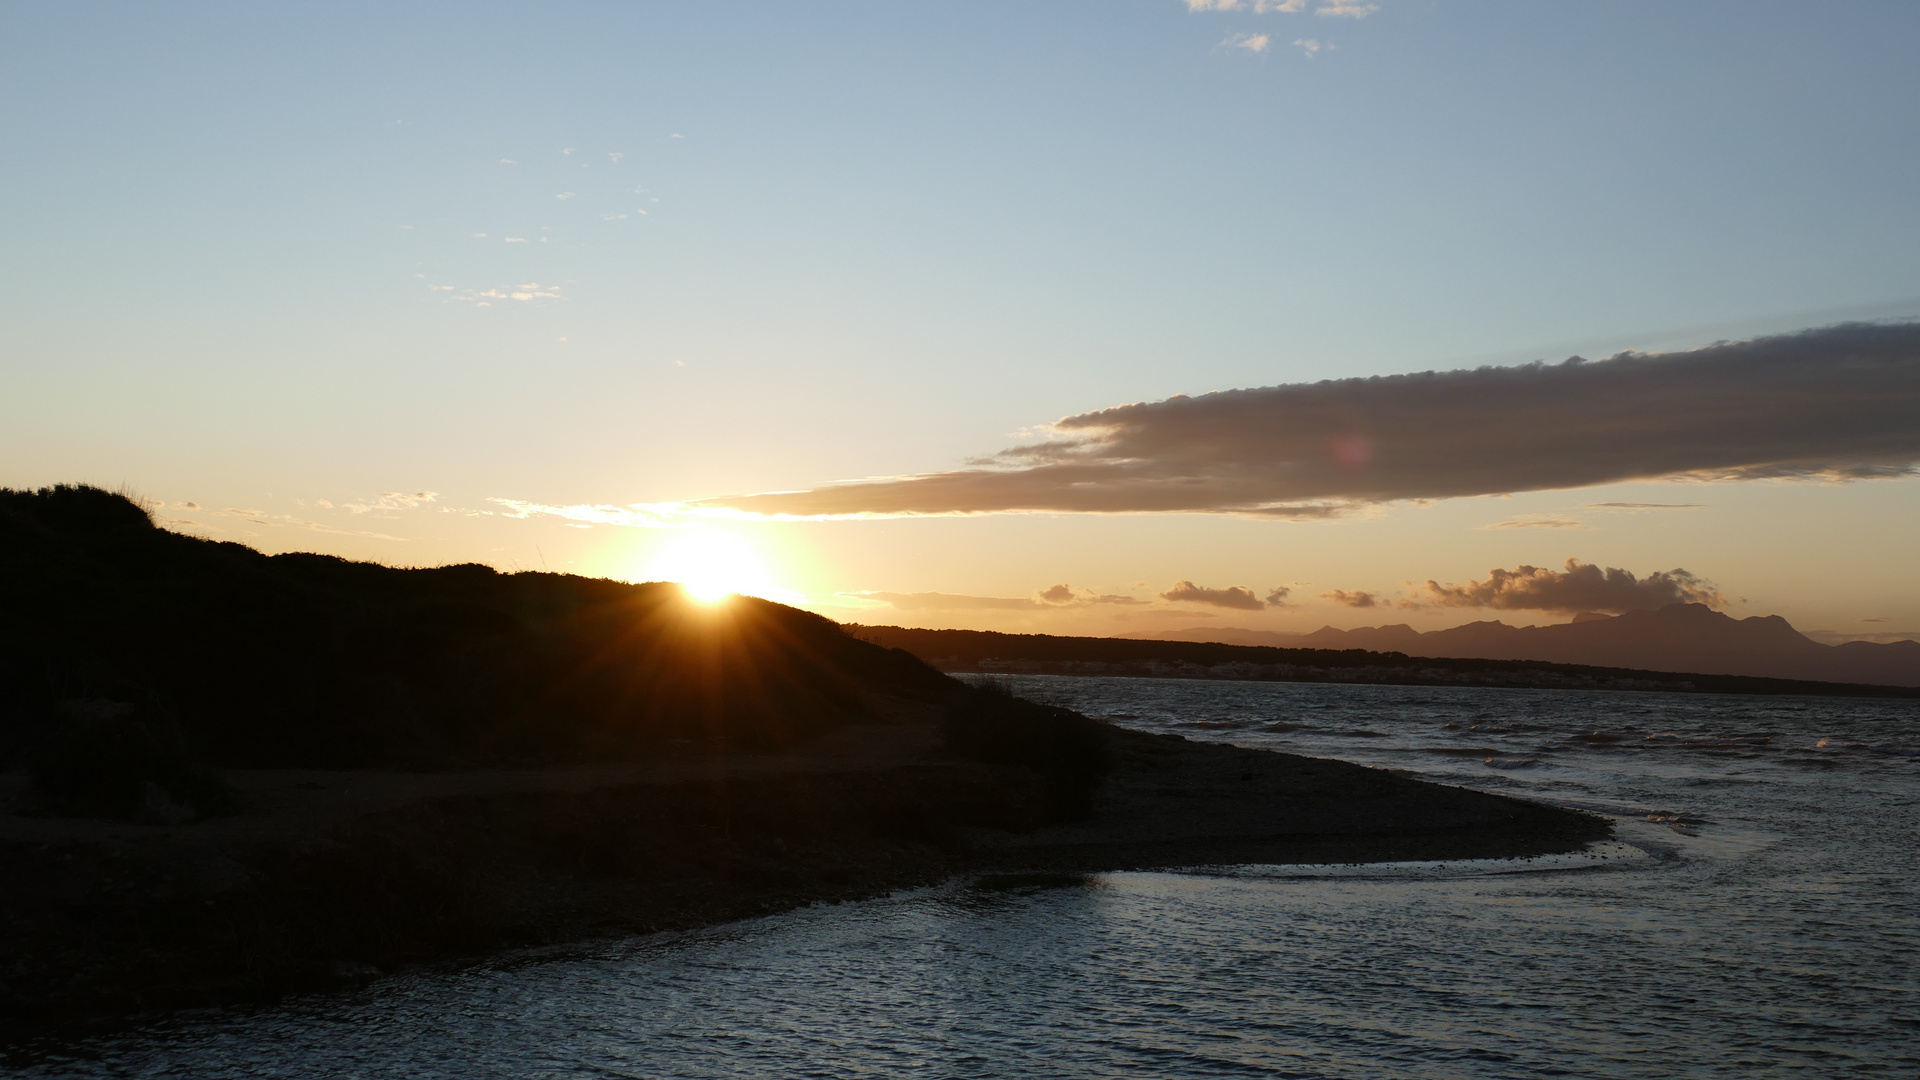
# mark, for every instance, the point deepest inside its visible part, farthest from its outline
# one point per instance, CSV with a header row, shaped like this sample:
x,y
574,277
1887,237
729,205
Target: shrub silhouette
x,y
987,723
105,760
313,661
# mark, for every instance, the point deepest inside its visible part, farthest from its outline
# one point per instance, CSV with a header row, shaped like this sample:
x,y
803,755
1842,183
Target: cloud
x,y
934,601
1355,599
1258,7
1052,597
1830,404
508,161
1580,587
1278,597
262,517
1636,507
1309,46
1064,595
1338,9
1238,597
1346,9
564,195
615,156
394,500
1250,42
1539,521
525,292
637,516
516,239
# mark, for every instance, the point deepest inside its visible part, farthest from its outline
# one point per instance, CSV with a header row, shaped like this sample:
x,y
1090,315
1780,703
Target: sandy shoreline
x,y
333,878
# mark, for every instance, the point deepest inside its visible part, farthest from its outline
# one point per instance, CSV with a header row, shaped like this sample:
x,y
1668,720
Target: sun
x,y
710,565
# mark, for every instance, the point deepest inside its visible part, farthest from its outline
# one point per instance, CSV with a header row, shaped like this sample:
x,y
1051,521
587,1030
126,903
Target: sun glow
x,y
711,565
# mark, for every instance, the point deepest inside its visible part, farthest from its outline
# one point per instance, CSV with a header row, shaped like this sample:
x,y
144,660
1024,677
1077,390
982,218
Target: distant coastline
x,y
991,652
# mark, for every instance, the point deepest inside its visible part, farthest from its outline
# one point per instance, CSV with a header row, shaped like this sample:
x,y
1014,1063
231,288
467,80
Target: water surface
x,y
1758,918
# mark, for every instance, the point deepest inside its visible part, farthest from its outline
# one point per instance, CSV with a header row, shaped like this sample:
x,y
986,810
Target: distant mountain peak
x,y
1677,637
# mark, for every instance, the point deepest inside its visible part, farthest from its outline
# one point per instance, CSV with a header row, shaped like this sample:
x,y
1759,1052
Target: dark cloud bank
x,y
1839,402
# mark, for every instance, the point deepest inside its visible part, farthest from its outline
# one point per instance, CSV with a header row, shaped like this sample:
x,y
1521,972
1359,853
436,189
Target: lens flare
x,y
711,565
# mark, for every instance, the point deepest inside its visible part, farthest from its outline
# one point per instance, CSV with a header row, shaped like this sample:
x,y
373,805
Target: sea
x,y
1757,915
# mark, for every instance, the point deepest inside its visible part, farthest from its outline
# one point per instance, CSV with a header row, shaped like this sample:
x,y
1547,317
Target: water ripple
x,y
1756,917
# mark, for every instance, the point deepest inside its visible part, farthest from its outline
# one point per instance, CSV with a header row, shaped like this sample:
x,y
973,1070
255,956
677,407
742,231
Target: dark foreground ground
x,y
227,775
331,878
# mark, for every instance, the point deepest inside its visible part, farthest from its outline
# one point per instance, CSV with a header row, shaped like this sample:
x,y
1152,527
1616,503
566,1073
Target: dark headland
x,y
229,775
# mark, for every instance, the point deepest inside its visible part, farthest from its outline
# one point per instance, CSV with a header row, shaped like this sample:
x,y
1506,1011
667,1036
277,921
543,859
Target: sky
x,y
1067,317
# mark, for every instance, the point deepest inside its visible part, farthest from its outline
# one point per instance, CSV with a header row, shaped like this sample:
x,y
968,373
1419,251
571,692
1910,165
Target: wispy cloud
x,y
277,521
1257,7
933,601
1539,521
523,293
392,501
635,516
1334,9
1831,404
1309,46
1256,43
1068,596
564,195
1637,507
1580,587
1346,9
1052,598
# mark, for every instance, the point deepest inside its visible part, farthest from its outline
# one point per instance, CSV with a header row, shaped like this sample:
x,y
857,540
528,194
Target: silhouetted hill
x,y
1678,638
125,639
989,651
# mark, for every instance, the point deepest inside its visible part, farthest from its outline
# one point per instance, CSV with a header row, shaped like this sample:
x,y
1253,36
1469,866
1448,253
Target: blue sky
x,y
766,246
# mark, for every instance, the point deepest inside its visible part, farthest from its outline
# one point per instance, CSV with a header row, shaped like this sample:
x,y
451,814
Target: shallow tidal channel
x,y
1758,915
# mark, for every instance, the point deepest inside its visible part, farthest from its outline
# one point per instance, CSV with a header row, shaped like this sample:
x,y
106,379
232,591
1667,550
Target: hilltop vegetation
x,y
120,633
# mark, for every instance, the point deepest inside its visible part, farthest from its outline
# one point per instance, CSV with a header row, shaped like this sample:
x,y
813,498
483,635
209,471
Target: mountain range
x,y
1678,637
